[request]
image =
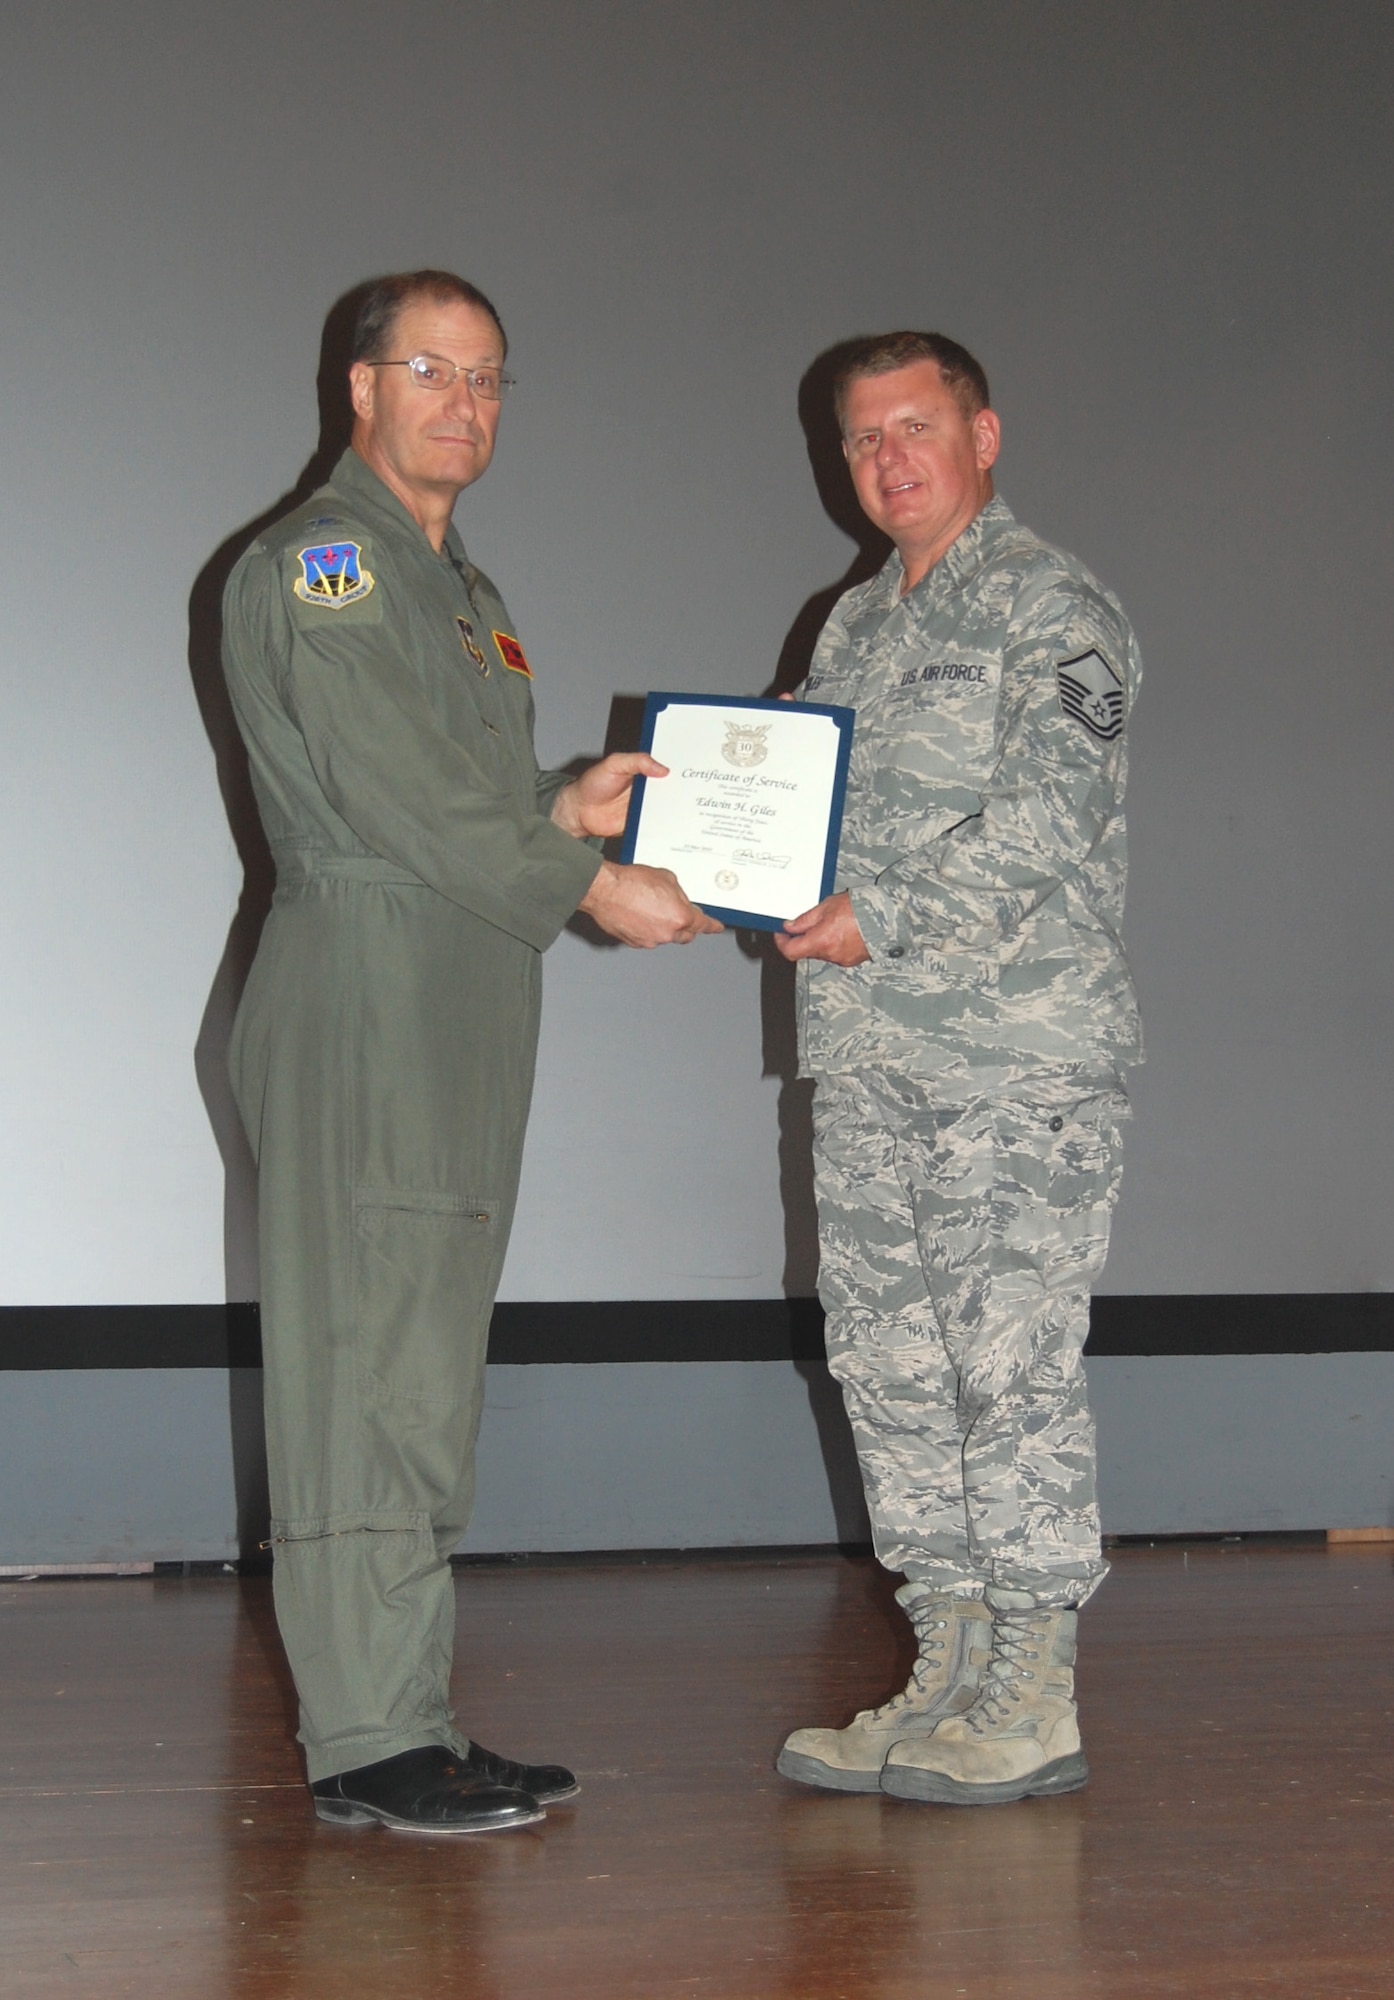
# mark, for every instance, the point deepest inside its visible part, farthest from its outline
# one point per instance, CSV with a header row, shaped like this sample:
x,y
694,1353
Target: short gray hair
x,y
382,305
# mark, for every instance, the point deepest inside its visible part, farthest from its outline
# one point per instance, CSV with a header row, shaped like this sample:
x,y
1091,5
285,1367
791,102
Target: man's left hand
x,y
597,803
828,931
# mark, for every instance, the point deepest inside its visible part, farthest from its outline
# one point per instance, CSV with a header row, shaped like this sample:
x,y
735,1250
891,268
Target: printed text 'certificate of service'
x,y
749,815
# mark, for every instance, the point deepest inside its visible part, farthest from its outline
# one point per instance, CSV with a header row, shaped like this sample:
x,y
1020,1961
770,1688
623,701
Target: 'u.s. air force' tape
x,y
1091,692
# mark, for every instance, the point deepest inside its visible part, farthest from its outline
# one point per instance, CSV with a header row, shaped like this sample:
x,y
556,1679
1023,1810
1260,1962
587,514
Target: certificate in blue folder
x,y
749,815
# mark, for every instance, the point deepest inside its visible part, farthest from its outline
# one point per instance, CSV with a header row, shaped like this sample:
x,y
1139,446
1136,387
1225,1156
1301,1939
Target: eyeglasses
x,y
432,371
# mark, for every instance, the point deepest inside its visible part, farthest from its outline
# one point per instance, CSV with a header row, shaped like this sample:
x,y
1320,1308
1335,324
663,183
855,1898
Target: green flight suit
x,y
382,1060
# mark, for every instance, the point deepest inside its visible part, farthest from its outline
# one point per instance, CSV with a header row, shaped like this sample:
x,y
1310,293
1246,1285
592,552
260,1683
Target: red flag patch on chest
x,y
512,654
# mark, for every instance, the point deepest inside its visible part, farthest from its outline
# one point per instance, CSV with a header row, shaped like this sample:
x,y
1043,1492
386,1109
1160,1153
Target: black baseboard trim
x,y
1243,1323
77,1337
85,1337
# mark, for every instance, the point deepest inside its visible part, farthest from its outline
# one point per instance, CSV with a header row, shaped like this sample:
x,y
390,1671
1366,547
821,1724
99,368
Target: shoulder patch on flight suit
x,y
1091,692
332,575
512,654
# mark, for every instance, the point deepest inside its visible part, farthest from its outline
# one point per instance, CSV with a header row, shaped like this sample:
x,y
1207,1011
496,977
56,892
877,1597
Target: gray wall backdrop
x,y
1166,230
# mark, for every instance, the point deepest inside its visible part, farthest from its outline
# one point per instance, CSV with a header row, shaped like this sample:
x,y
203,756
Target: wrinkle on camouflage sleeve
x,y
365,722
1050,799
830,643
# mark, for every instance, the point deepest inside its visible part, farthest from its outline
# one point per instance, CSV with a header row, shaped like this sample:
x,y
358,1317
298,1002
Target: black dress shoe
x,y
548,1783
425,1791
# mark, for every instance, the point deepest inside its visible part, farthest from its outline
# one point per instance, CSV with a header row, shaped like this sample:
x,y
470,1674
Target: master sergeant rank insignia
x,y
332,575
1091,692
512,654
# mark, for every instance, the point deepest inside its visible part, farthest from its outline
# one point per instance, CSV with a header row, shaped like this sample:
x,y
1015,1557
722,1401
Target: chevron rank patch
x,y
1091,692
512,654
332,574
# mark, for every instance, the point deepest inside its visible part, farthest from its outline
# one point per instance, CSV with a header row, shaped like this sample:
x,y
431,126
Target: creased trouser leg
x,y
389,1139
370,1449
958,1247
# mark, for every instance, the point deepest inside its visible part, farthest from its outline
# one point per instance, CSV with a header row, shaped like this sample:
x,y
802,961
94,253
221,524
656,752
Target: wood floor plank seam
x,y
1229,1698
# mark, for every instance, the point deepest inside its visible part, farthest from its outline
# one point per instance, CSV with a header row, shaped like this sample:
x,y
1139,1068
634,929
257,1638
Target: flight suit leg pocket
x,y
426,1266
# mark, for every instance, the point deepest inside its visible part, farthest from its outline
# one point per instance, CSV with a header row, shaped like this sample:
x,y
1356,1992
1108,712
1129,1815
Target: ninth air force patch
x,y
332,575
1091,692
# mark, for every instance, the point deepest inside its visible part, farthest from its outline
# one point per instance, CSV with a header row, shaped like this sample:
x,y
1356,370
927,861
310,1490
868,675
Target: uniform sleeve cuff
x,y
882,925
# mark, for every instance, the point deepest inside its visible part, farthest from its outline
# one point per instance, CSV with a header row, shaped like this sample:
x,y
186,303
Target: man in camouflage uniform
x,y
383,1052
967,1012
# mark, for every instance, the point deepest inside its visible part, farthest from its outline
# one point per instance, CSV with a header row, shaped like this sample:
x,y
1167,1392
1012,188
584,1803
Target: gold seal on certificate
x,y
749,815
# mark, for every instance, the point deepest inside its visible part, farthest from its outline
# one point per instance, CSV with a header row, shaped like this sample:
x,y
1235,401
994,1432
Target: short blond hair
x,y
884,353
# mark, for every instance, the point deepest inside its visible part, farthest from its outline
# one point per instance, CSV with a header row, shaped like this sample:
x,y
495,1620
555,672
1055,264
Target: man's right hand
x,y
644,906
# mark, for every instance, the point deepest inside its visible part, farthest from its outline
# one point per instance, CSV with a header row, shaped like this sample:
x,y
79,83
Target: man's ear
x,y
987,437
362,383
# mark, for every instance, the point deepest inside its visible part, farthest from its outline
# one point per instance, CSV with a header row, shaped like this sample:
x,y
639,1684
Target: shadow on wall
x,y
823,442
258,884
779,1037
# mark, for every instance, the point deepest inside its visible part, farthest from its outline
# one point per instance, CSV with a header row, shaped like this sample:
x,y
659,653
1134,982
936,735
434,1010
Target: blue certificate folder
x,y
753,820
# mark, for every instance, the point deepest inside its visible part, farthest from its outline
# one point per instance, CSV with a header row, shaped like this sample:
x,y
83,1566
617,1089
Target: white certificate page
x,y
742,817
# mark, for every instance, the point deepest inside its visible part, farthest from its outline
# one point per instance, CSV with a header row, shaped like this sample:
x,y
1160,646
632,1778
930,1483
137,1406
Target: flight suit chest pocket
x,y
470,710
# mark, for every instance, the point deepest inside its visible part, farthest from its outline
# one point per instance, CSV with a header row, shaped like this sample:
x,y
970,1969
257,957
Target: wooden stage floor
x,y
1236,1839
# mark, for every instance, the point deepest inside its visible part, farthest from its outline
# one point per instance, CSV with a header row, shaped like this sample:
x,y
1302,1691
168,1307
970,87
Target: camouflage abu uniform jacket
x,y
983,841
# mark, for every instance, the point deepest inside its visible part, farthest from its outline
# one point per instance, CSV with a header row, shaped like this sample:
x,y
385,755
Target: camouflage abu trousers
x,y
958,1246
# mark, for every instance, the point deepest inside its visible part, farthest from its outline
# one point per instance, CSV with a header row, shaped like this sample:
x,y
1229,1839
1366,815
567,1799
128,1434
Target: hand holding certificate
x,y
749,815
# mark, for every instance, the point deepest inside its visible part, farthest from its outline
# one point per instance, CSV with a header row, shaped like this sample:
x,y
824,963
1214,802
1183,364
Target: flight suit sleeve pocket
x,y
426,1268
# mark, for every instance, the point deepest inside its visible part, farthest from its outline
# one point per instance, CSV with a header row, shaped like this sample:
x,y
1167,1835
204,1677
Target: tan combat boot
x,y
954,1635
1020,1737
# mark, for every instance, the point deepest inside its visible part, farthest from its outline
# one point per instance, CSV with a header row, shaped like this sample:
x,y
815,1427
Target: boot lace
x,y
933,1639
1011,1663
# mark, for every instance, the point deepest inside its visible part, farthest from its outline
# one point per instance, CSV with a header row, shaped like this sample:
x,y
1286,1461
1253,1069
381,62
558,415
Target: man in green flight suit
x,y
383,1053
